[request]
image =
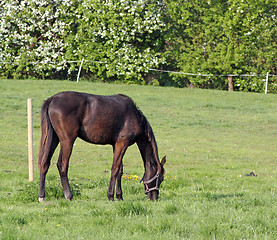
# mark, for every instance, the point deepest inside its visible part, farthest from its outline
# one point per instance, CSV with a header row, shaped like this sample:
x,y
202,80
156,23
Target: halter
x,y
147,189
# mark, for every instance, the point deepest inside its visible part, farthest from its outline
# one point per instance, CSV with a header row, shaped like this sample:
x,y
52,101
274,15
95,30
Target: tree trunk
x,y
230,83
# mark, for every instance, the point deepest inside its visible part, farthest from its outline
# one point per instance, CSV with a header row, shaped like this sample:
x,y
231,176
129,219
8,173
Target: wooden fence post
x,y
79,72
266,83
230,83
30,141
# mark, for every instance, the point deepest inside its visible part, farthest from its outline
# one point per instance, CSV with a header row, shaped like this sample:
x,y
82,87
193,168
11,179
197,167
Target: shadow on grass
x,y
29,192
220,196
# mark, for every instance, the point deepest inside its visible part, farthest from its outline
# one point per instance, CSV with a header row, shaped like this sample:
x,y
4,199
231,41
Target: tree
x,y
224,37
119,39
122,39
32,37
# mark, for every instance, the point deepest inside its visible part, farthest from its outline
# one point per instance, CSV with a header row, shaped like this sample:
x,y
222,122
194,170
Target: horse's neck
x,y
151,160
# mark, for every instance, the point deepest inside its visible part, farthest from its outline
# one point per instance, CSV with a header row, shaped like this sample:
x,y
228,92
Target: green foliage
x,y
122,40
119,39
224,37
32,38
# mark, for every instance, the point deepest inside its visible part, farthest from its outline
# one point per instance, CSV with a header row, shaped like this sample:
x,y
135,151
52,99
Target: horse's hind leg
x,y
63,162
44,166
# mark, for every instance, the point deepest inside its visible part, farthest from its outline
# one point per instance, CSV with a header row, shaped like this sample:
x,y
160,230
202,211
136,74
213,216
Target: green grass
x,y
211,139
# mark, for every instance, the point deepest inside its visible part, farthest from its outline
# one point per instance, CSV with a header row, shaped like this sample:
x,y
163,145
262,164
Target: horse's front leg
x,y
110,193
118,184
117,170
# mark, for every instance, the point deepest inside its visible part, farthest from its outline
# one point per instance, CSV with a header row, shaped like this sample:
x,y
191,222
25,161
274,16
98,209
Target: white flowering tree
x,y
119,39
32,37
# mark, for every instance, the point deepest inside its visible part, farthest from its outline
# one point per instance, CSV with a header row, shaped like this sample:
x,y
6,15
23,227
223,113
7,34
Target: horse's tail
x,y
47,133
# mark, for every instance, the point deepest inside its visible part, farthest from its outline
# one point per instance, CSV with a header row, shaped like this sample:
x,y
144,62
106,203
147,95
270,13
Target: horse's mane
x,y
148,131
146,127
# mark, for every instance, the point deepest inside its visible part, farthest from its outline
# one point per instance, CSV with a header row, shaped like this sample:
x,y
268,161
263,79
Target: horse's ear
x,y
163,160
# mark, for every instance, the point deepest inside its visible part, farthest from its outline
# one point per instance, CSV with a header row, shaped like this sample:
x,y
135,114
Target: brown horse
x,y
113,120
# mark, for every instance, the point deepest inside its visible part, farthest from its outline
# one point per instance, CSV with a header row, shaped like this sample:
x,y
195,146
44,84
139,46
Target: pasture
x,y
212,139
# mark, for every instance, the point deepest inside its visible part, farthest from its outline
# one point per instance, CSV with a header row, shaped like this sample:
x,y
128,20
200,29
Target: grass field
x,y
212,139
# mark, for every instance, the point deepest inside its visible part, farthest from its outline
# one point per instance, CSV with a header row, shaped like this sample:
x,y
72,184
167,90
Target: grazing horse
x,y
96,119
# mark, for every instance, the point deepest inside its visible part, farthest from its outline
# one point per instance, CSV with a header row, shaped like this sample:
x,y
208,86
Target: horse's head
x,y
151,186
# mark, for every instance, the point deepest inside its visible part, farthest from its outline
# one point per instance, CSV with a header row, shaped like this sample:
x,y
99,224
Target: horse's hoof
x,y
119,197
41,199
111,199
69,198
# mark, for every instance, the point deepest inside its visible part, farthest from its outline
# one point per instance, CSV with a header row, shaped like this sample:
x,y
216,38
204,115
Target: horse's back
x,y
108,118
68,103
94,118
77,103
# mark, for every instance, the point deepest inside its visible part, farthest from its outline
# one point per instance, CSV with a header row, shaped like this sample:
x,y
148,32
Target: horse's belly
x,y
98,136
